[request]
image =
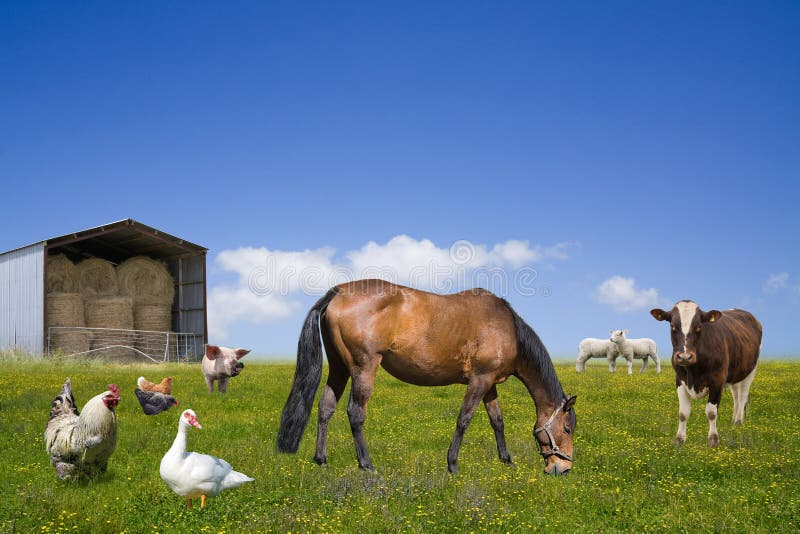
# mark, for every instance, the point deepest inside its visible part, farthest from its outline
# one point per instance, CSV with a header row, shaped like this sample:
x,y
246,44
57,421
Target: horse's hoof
x,y
368,468
678,441
452,468
713,440
321,461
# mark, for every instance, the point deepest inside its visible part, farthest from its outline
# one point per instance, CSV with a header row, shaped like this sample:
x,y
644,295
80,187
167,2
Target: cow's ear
x,y
241,353
711,316
661,315
570,402
212,351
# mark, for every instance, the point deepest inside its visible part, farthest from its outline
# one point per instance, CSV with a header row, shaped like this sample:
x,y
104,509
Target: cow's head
x,y
686,328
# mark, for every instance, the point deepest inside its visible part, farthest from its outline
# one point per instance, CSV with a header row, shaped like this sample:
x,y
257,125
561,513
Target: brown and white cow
x,y
711,350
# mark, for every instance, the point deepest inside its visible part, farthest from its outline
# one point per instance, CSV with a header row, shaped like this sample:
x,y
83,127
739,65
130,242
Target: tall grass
x,y
627,475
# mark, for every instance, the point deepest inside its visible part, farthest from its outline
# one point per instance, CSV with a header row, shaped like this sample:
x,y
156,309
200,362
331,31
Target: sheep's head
x,y
618,336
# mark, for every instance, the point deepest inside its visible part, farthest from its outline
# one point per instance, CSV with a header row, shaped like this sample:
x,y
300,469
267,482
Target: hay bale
x,y
114,344
96,278
146,281
109,312
65,309
61,274
117,354
70,341
154,317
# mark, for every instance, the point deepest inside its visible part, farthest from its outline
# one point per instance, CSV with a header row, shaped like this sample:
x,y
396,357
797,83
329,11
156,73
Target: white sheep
x,y
596,348
642,348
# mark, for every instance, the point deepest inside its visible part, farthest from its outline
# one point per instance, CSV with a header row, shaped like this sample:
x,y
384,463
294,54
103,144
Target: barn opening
x,y
122,291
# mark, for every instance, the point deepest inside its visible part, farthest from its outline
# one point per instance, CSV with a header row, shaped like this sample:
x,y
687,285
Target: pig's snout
x,y
237,368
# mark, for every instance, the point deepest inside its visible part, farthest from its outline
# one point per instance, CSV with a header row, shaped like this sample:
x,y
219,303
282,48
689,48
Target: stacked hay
x,y
146,281
61,274
138,295
152,289
96,278
65,309
110,312
152,317
70,341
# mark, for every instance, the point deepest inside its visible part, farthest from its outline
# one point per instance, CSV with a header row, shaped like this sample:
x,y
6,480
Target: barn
x,y
93,299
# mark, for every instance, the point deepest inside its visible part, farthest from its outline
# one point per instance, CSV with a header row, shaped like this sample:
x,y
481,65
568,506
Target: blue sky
x,y
629,153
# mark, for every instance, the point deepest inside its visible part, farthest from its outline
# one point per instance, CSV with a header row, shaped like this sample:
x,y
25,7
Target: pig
x,y
221,363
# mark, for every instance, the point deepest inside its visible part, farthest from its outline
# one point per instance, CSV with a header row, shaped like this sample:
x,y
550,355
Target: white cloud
x,y
269,281
776,282
622,295
228,305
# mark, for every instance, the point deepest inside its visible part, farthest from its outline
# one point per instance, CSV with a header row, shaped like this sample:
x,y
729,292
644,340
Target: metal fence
x,y
125,345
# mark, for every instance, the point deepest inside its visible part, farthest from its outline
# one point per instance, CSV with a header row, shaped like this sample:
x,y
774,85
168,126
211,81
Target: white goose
x,y
193,475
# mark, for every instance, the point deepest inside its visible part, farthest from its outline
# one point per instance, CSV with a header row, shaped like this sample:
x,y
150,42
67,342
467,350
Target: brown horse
x,y
471,338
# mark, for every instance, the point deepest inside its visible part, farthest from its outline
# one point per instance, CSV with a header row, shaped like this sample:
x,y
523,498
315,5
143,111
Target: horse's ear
x,y
570,402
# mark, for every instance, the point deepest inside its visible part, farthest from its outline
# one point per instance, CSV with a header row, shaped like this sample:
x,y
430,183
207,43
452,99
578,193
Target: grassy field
x,y
627,476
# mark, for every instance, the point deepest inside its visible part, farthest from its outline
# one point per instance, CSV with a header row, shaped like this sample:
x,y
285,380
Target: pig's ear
x,y
212,351
241,353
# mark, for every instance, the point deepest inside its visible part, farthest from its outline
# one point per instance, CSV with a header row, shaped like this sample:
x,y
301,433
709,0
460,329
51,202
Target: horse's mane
x,y
534,351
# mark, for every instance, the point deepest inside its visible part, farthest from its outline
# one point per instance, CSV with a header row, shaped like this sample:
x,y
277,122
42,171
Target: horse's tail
x,y
307,376
534,351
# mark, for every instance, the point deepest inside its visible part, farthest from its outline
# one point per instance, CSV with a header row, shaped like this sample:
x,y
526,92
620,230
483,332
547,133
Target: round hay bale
x,y
154,317
70,341
65,309
96,278
109,312
114,345
146,281
117,354
61,274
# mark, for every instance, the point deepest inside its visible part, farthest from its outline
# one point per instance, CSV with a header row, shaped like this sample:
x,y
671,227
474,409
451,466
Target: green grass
x,y
627,476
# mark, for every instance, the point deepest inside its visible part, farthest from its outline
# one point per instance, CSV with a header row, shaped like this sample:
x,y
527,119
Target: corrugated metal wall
x,y
22,298
189,312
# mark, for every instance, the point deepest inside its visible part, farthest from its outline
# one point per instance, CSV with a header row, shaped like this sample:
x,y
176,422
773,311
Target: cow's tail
x,y
307,376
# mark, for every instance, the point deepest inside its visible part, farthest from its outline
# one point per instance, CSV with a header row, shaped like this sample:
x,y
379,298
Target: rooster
x,y
80,444
164,387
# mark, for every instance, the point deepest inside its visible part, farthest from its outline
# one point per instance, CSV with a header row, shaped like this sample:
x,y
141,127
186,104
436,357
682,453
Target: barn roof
x,y
120,240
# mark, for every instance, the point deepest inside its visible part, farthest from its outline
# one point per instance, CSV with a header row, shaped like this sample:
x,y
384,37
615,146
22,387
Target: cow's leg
x,y
496,420
476,390
712,407
337,380
744,397
210,384
735,393
360,392
684,410
222,385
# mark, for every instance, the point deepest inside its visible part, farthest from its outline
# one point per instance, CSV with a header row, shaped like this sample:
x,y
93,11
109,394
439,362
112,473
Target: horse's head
x,y
554,436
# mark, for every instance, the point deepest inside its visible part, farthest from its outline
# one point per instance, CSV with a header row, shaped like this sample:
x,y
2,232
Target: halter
x,y
554,450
